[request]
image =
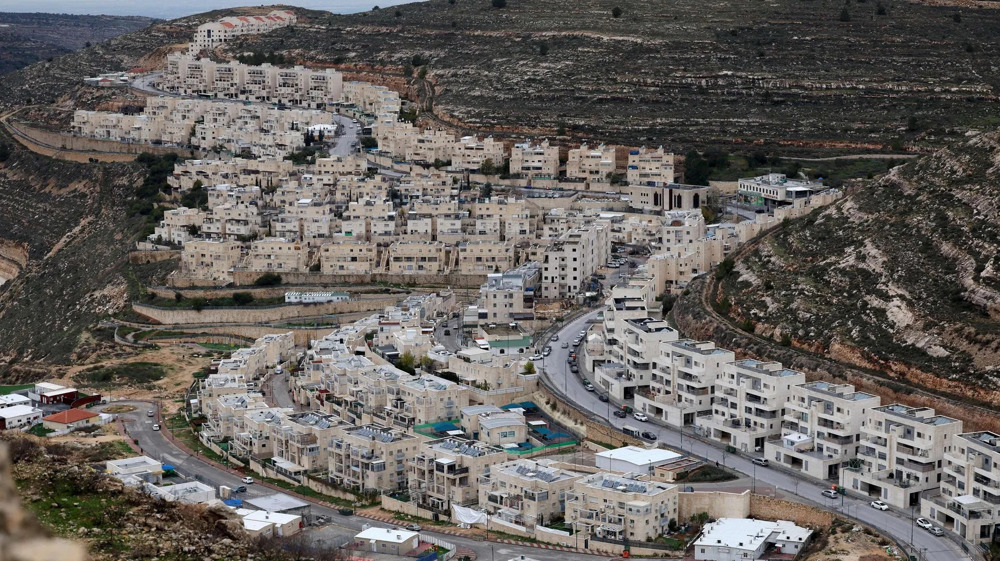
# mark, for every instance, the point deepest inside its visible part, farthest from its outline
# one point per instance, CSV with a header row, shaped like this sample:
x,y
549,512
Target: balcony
x,y
836,439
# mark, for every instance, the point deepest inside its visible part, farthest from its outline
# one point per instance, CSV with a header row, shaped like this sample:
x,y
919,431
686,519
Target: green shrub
x,y
268,279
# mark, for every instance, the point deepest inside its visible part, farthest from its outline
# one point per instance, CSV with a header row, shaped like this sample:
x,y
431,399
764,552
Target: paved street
x,y
896,524
156,446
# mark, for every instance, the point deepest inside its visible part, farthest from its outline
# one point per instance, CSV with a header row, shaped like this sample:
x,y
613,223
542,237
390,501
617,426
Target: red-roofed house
x,y
70,419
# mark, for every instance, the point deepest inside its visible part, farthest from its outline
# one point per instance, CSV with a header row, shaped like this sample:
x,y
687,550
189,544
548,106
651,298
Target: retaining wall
x,y
769,508
62,141
141,256
243,278
262,314
396,505
716,503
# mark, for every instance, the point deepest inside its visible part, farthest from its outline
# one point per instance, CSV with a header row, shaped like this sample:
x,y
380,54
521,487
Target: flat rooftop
x,y
640,456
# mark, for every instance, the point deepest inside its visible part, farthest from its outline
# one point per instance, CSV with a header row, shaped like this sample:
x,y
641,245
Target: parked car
x,y
413,527
535,357
831,494
640,416
602,397
760,461
924,523
150,413
619,413
248,480
576,341
648,435
583,333
880,505
546,353
588,386
240,489
574,369
447,332
547,349
156,427
936,531
565,345
554,338
345,511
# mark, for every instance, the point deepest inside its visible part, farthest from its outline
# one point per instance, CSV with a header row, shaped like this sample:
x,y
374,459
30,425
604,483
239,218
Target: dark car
x,y
240,489
574,369
620,414
648,435
603,398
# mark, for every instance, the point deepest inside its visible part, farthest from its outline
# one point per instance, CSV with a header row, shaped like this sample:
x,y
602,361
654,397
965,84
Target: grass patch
x,y
128,373
224,347
7,390
672,543
40,430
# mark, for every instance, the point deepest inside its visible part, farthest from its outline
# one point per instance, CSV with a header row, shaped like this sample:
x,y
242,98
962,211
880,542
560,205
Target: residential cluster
x,y
213,34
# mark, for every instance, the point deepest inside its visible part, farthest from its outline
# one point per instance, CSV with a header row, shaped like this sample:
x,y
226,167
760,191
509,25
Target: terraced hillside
x,y
792,74
901,276
69,221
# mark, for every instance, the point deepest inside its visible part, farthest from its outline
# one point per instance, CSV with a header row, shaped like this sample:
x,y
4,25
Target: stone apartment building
x,y
650,167
418,258
253,433
447,471
510,296
668,197
571,260
470,153
430,399
821,430
526,492
231,222
212,34
630,352
211,260
225,194
494,426
535,160
372,457
901,453
616,507
683,381
303,441
372,99
432,183
348,257
222,413
749,404
485,257
592,164
177,225
235,172
968,503
278,255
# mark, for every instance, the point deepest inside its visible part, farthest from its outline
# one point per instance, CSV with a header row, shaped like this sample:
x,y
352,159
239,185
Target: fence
x,y
440,543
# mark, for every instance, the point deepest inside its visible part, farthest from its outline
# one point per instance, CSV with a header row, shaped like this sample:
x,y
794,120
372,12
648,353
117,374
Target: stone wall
x,y
243,278
262,314
96,148
769,508
139,256
716,503
395,505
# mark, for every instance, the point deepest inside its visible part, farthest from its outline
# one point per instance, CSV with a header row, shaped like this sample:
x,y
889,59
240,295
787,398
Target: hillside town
x,y
528,380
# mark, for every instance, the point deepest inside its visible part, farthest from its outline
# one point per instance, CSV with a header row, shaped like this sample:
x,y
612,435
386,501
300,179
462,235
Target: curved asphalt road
x,y
342,528
897,524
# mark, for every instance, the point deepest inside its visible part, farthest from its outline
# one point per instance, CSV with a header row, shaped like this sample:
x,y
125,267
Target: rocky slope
x,y
901,276
66,233
785,73
63,487
29,38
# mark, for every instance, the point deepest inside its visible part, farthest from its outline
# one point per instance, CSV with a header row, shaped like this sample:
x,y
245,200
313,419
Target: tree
x,y
198,304
486,191
845,15
427,364
881,9
616,12
543,49
407,363
488,167
268,279
529,368
399,14
957,17
368,142
242,298
499,3
178,296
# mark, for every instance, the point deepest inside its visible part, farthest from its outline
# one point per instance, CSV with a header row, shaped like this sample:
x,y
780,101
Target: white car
x,y
880,505
588,386
936,531
248,480
831,494
156,427
924,523
640,416
535,357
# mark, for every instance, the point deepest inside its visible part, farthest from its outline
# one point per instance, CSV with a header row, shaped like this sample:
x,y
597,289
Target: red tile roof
x,y
227,25
258,18
243,19
70,416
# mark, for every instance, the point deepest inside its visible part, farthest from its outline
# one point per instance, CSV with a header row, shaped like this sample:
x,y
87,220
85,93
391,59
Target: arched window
x,y
697,200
